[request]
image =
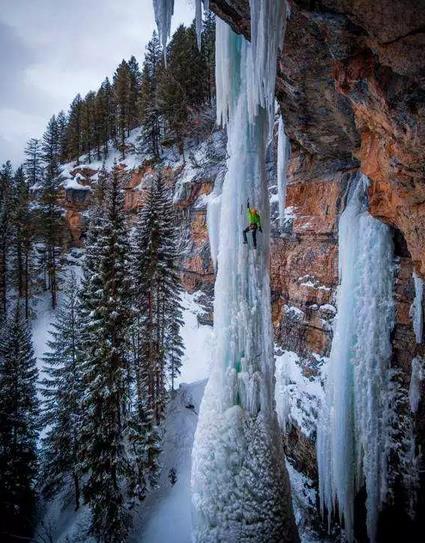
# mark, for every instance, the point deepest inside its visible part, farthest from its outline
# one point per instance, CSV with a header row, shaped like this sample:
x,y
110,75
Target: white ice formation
x,y
417,375
164,10
239,481
353,427
282,161
417,310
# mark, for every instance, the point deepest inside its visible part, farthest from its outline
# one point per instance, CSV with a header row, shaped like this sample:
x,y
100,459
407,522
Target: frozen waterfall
x,y
164,10
352,431
239,481
417,310
282,161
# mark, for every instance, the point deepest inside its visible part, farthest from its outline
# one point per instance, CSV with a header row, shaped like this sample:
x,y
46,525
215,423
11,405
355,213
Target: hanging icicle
x,y
416,377
198,23
282,161
239,482
417,310
164,10
352,432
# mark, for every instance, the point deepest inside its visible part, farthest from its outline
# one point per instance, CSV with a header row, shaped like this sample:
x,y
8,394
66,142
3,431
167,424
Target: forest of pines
x,y
91,426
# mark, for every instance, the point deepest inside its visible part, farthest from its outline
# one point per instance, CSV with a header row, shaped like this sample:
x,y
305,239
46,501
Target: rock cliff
x,y
351,89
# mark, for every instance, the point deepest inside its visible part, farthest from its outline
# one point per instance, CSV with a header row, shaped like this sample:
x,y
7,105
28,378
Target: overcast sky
x,y
52,49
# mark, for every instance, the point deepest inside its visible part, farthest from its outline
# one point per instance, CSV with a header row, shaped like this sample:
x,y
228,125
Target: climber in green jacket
x,y
254,224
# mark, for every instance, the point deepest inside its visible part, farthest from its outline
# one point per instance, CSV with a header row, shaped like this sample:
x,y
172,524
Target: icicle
x,y
282,156
164,10
352,432
227,68
268,21
198,23
417,375
213,219
239,482
417,310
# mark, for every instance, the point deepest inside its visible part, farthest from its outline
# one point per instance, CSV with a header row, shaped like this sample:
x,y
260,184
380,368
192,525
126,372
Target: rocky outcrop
x,y
351,88
190,180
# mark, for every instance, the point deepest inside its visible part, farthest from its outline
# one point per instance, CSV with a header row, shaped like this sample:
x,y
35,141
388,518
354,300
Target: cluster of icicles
x,y
240,487
239,483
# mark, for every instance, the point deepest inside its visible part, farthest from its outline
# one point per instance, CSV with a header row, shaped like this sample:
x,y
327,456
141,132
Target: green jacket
x,y
254,217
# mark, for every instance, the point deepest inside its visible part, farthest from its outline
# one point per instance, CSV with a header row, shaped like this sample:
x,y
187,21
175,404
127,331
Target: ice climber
x,y
254,224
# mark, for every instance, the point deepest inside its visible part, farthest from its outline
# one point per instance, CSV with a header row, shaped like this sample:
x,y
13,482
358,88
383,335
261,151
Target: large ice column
x,y
417,375
239,481
352,432
282,161
164,10
417,310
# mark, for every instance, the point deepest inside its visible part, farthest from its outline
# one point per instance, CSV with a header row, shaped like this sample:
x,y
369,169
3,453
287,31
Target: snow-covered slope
x,y
165,515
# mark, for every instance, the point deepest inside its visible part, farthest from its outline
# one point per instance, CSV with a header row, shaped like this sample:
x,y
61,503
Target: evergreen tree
x,y
105,455
122,91
183,85
74,130
105,117
88,124
18,429
62,391
51,230
134,93
62,123
157,299
33,165
23,231
50,149
208,52
6,175
148,101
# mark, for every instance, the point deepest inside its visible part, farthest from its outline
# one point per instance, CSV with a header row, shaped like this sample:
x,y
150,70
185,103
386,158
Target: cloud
x,y
50,51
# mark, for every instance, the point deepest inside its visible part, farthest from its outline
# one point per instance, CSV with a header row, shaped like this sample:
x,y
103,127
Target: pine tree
x,y
51,230
62,391
148,100
33,166
208,52
23,231
183,85
105,116
122,89
18,429
105,456
74,130
158,297
50,149
62,123
88,124
134,93
6,174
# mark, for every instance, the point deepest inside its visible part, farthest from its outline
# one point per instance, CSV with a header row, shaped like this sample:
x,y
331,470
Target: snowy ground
x,y
165,516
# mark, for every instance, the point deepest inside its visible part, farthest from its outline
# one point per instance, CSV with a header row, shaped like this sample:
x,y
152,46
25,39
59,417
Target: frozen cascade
x,y
282,161
164,10
213,219
417,375
198,22
239,481
352,431
417,311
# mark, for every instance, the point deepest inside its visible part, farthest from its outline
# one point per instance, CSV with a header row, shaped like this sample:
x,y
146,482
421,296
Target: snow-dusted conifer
x,y
105,456
6,174
158,296
18,428
62,391
32,165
